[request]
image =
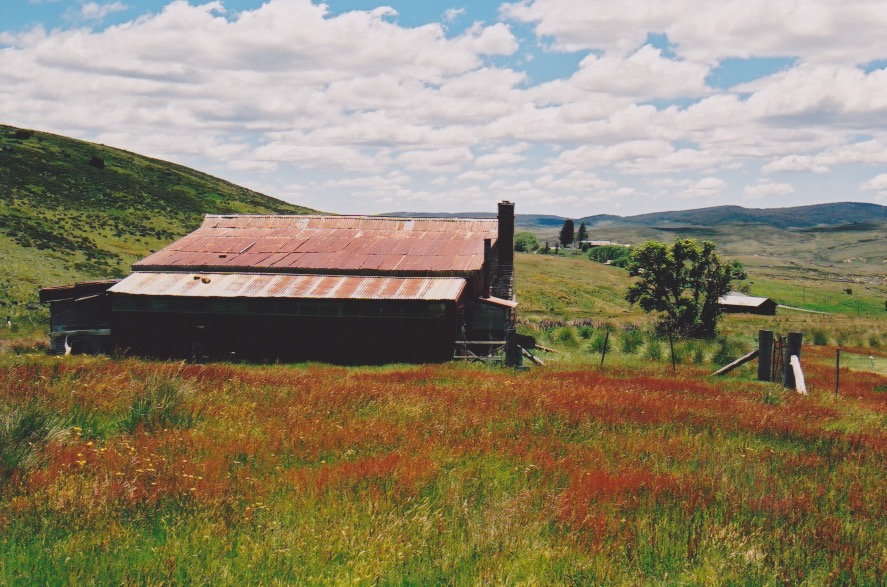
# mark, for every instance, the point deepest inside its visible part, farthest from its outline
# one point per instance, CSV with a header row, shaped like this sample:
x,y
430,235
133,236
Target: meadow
x,y
118,470
126,471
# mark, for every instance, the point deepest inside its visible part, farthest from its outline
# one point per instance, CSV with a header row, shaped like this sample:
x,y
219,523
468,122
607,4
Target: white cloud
x,y
313,105
764,189
452,14
876,184
94,11
707,187
816,30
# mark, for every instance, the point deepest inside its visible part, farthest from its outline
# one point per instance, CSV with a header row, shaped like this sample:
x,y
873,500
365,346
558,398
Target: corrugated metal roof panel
x,y
262,285
332,243
741,300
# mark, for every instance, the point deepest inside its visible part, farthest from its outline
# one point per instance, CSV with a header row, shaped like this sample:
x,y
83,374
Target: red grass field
x,y
131,472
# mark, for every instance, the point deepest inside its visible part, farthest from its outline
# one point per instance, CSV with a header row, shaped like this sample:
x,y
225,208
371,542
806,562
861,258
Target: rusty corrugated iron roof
x,y
317,244
264,285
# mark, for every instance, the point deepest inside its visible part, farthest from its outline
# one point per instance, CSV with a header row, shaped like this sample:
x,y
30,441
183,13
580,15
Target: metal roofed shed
x,y
738,303
79,317
345,289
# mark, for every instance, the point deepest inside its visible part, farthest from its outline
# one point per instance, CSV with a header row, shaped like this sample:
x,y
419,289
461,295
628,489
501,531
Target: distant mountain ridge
x,y
833,214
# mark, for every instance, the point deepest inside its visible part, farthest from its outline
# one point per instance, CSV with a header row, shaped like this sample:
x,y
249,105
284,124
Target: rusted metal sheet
x,y
334,243
264,285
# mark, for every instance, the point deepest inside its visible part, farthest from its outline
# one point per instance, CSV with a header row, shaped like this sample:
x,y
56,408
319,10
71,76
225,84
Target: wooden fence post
x,y
837,370
792,348
674,367
765,355
606,344
513,355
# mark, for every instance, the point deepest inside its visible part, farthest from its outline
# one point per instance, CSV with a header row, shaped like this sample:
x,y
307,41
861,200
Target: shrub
x,y
819,337
654,349
601,343
525,242
22,134
97,162
566,335
631,340
727,350
695,350
161,402
875,341
586,331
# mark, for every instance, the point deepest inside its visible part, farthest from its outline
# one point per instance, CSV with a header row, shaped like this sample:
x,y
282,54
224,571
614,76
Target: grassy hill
x,y
72,210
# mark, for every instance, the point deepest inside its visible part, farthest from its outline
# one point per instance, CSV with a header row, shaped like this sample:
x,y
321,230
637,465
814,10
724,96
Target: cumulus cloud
x,y
310,104
766,189
876,184
94,11
815,30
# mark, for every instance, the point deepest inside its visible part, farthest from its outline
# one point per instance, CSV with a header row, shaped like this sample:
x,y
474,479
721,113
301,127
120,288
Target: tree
x,y
525,242
582,234
568,232
682,282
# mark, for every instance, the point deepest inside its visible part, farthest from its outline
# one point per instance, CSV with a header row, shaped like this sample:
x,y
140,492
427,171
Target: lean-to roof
x,y
263,285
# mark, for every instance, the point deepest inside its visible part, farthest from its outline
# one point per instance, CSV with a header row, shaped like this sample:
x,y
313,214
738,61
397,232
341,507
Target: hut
x,y
737,303
345,289
80,317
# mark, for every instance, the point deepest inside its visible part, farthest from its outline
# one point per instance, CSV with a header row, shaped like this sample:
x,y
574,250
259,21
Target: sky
x,y
564,107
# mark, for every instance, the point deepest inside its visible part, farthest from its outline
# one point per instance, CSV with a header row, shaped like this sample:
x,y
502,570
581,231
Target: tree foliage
x,y
568,233
582,233
618,255
525,242
682,282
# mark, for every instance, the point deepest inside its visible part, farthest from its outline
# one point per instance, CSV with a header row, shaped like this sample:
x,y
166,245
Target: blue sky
x,y
570,108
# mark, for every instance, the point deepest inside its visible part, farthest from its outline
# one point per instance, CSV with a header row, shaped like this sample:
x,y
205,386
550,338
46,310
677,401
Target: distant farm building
x,y
737,303
336,288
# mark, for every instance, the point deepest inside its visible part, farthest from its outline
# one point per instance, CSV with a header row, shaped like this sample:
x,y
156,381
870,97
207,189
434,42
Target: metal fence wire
x,y
776,362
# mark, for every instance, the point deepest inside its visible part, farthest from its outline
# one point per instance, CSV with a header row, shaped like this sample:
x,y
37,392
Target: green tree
x,y
682,282
525,242
568,233
582,233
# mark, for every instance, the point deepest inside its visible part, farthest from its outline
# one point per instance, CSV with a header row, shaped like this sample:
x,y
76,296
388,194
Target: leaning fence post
x,y
674,367
765,355
792,348
606,344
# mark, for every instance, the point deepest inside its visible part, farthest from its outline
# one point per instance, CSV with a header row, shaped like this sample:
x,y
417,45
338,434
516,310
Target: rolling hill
x,y
72,210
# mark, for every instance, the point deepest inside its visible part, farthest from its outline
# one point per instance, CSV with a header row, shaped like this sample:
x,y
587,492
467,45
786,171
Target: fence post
x,y
837,371
606,344
765,355
513,355
792,348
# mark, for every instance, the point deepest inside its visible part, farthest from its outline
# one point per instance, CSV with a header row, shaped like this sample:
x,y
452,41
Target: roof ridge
x,y
352,216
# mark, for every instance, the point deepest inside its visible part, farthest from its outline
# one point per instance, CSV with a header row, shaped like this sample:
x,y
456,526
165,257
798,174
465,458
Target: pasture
x,y
126,471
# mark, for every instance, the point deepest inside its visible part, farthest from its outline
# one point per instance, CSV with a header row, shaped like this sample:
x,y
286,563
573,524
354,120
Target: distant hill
x,y
794,217
845,237
72,210
817,215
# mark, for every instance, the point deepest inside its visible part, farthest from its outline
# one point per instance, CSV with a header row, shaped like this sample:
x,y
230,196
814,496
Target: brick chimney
x,y
503,281
506,233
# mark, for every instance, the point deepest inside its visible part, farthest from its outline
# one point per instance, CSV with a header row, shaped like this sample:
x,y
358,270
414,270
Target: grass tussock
x,y
161,401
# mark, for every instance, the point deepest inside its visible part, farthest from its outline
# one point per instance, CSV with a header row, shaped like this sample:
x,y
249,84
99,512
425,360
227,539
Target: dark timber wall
x,y
338,331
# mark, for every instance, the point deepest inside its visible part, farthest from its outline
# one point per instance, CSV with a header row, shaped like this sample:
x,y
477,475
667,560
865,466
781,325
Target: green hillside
x,y
72,210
